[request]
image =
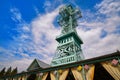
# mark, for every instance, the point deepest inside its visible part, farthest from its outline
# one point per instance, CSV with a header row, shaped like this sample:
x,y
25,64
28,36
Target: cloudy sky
x,y
28,29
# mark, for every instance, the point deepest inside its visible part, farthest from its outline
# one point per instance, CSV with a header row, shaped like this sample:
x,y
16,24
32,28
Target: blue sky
x,y
29,27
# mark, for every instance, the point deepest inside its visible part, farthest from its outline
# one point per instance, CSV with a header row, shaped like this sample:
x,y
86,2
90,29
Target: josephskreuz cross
x,y
68,18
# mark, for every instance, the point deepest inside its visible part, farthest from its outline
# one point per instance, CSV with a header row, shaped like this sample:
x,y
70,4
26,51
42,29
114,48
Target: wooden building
x,y
105,67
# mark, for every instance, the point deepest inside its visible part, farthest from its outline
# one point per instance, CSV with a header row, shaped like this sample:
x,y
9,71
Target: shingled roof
x,y
37,64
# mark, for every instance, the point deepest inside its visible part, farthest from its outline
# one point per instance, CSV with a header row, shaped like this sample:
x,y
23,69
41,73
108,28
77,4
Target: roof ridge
x,y
41,62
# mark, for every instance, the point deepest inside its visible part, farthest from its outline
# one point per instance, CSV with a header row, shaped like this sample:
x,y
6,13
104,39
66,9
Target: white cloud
x,y
109,7
50,6
44,33
36,10
94,45
16,15
47,4
8,58
21,64
5,51
26,28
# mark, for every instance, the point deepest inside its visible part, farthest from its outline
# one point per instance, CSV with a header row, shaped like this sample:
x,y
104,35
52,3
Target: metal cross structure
x,y
69,47
68,18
